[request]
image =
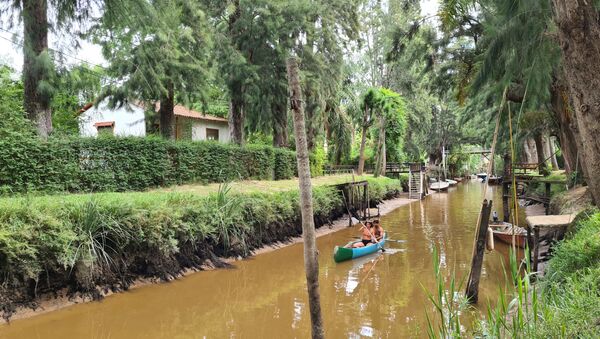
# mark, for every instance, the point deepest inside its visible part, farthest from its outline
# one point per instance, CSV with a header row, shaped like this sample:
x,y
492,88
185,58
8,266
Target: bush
x,y
121,164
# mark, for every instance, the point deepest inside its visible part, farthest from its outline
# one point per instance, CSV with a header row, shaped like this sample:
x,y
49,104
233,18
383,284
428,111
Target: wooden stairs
x,y
415,185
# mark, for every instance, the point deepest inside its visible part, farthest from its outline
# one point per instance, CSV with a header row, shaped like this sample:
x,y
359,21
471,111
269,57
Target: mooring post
x,y
505,202
478,251
536,248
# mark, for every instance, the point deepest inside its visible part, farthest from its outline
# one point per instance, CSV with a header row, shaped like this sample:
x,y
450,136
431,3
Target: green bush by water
x,y
28,164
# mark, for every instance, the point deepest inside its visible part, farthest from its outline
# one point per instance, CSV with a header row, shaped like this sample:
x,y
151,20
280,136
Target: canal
x,y
381,296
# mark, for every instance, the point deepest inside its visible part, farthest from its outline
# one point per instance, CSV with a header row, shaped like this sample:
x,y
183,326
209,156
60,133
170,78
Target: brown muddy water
x,y
379,296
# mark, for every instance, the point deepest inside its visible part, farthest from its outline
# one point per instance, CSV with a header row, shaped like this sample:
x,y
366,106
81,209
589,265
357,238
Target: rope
x,y
514,180
493,150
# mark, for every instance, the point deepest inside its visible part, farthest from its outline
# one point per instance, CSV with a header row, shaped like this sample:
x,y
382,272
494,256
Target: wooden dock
x,y
543,232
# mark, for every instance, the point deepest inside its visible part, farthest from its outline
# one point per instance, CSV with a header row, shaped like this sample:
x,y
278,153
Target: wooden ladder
x,y
415,185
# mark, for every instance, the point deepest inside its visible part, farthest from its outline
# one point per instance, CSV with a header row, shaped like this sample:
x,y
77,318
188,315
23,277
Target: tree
x,y
579,36
165,62
311,263
37,66
369,104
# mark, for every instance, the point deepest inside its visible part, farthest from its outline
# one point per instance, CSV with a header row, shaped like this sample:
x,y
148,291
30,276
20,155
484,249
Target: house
x,y
125,121
129,120
192,125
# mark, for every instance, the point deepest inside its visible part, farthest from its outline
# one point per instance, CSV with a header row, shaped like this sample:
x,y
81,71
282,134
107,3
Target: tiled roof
x,y
104,124
183,111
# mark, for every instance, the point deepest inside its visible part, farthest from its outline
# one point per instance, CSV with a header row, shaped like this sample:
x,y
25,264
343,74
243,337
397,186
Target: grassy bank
x,y
107,240
565,303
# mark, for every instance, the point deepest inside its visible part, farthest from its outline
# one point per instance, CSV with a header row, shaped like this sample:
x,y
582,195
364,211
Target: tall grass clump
x,y
448,304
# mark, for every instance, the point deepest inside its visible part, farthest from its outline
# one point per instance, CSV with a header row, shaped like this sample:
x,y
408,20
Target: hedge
x,y
124,164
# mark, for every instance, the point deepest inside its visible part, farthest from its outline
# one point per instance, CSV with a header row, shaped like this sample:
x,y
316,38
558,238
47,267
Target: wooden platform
x,y
543,232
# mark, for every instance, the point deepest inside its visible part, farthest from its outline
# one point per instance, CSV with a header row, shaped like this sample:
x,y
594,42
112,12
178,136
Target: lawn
x,y
263,186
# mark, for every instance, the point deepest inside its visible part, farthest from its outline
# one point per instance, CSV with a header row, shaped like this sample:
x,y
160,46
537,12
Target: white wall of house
x,y
129,120
199,130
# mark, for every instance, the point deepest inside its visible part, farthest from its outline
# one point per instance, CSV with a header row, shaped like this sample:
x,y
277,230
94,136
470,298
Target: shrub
x,y
29,164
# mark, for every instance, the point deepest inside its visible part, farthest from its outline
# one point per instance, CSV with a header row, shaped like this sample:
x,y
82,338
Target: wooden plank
x,y
472,292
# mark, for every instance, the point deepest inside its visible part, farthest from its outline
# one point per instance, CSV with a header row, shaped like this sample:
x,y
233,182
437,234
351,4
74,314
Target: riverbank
x,y
68,250
565,301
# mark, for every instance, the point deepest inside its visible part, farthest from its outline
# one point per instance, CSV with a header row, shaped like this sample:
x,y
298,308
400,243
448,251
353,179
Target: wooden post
x,y
547,198
505,202
536,248
507,176
478,251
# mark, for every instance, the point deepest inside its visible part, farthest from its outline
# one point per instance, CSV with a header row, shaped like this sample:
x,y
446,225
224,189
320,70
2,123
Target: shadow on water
x,y
376,296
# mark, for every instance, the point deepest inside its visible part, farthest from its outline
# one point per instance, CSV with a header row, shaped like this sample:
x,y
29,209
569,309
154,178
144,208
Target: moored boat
x,y
482,175
439,186
451,182
503,231
458,179
494,180
348,252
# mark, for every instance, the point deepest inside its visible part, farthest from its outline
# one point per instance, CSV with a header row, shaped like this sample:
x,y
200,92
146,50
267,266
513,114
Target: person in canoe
x,y
377,230
366,235
372,232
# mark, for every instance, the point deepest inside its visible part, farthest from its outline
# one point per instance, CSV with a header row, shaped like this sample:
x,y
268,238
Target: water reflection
x,y
379,296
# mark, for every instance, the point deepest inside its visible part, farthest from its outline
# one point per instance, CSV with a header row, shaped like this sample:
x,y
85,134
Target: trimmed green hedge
x,y
123,164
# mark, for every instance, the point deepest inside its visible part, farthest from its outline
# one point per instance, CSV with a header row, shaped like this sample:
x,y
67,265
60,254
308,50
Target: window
x,y
105,128
212,134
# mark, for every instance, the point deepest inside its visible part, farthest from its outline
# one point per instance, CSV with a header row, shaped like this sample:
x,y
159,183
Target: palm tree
x,y
311,264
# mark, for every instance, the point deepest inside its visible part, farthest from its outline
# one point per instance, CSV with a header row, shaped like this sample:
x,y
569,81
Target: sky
x,y
11,53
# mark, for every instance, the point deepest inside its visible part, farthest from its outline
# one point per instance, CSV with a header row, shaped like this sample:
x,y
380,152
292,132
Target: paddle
x,y
386,239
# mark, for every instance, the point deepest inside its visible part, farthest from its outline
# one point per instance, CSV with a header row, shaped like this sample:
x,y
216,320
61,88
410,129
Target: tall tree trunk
x,y
527,152
36,100
552,149
363,142
579,35
280,119
236,119
547,150
533,150
167,114
568,134
539,146
311,264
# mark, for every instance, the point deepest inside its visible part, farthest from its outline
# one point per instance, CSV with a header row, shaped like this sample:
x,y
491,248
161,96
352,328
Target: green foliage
x,y
12,117
317,161
285,164
578,253
121,164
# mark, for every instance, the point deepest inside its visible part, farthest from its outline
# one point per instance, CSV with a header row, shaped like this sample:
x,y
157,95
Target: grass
x,y
261,186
